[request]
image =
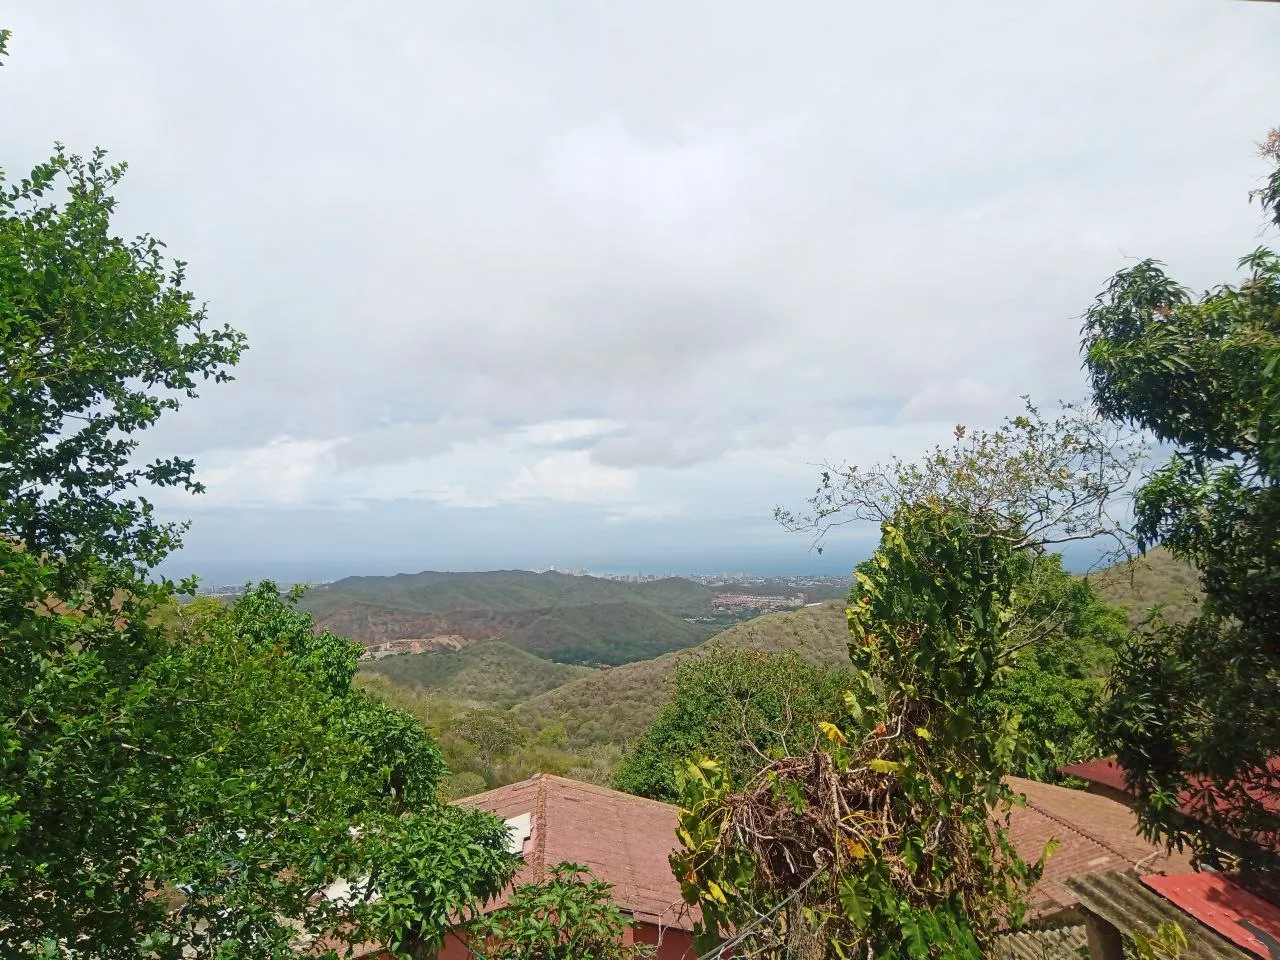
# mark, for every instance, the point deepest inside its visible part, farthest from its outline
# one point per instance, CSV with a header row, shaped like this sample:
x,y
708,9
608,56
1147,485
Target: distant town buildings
x,y
236,589
750,601
393,648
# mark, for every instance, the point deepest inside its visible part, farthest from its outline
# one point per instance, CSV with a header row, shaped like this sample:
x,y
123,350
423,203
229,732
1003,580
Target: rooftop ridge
x,y
540,830
598,789
1075,828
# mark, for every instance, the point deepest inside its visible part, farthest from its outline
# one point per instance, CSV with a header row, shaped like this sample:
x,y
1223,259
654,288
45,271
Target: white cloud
x,y
281,473
571,477
640,257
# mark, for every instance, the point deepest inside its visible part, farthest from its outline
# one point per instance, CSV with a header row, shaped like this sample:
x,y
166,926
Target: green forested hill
x,y
611,633
492,674
608,707
507,591
581,723
614,705
584,620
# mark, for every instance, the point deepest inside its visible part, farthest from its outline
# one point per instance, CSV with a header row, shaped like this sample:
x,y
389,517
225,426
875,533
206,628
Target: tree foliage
x,y
1192,715
570,915
198,802
880,842
1043,481
174,783
743,707
1055,680
98,338
888,839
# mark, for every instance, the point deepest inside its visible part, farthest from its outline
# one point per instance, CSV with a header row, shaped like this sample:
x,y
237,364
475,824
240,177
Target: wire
x,y
742,935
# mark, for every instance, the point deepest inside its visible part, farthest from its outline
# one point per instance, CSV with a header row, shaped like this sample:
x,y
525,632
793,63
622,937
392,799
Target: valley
x,y
569,619
560,716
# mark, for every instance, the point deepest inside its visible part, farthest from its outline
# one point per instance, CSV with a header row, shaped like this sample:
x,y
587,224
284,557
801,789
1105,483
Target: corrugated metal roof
x,y
1216,901
1064,943
1122,900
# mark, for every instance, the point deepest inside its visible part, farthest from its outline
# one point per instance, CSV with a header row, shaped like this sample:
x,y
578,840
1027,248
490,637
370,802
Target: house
x,y
1104,777
1257,801
1094,834
624,840
1219,918
1222,915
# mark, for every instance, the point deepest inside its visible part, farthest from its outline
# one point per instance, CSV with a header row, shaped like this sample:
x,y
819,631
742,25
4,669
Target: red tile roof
x,y
1220,904
1095,834
625,840
1203,800
1105,772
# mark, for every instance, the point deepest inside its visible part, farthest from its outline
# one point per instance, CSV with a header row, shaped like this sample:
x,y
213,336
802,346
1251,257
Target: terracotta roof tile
x,y
1095,834
1262,792
625,840
1106,772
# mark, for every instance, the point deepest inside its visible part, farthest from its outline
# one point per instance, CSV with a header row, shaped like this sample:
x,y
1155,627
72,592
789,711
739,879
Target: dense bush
x,y
741,706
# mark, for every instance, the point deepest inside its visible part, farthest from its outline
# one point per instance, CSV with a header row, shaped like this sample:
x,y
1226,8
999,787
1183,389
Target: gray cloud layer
x,y
637,263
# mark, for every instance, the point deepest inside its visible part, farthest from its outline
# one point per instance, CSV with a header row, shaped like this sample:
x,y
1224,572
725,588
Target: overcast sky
x,y
581,283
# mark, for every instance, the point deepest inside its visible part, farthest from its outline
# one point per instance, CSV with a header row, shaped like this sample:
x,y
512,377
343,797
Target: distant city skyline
x,y
300,570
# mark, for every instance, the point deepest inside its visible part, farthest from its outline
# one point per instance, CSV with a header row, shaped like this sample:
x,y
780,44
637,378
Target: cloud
x,y
281,473
571,477
628,260
962,401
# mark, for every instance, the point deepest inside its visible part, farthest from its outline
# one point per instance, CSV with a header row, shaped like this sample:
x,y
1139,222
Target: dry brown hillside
x,y
372,625
614,705
611,706
1156,579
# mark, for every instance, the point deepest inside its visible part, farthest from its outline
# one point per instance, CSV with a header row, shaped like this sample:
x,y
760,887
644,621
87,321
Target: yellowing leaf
x,y
923,734
856,850
884,766
715,893
832,732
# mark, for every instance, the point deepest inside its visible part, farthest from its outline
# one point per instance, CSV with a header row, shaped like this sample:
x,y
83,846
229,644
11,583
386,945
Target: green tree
x,y
1192,715
491,733
282,780
743,707
881,841
197,802
98,338
171,784
1055,680
568,916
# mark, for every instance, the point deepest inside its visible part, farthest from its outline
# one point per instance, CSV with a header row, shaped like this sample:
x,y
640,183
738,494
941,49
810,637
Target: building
x,y
1219,918
625,840
1257,800
752,601
1094,835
